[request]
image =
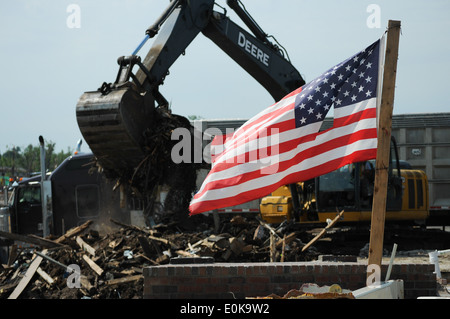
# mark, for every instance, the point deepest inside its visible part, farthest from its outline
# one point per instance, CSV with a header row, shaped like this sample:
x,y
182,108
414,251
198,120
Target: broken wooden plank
x,y
283,249
333,222
163,259
124,280
133,227
272,245
272,231
286,240
35,240
162,240
83,279
73,232
27,277
93,265
147,258
85,246
7,288
165,241
45,276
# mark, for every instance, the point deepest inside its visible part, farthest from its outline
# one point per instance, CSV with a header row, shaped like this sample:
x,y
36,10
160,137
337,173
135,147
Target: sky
x,y
52,51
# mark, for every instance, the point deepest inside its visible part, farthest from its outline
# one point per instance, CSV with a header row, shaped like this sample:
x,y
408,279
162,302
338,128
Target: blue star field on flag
x,y
349,82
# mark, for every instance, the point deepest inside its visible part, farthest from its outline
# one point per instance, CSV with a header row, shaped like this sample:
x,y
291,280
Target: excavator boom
x,y
122,121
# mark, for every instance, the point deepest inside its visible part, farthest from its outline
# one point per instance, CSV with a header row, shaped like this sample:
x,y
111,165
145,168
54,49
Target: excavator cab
x,y
351,187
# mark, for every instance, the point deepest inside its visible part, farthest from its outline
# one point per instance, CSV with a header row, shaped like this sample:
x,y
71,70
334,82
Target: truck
x,y
72,194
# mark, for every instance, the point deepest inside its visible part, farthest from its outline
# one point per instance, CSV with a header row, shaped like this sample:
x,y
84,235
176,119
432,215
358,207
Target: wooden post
x,y
384,141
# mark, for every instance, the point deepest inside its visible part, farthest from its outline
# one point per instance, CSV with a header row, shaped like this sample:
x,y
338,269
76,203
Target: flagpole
x,y
383,150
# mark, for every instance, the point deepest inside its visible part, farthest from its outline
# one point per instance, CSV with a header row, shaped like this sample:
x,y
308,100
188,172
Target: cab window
x,y
29,195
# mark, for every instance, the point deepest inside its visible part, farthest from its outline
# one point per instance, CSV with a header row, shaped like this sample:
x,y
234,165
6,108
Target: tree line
x,y
20,162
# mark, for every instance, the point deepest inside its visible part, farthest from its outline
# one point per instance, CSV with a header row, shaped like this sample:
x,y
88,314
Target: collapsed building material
x,y
313,291
330,224
27,277
111,264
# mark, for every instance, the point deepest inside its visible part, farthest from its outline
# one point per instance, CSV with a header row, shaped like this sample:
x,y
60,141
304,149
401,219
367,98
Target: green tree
x,y
11,159
30,158
16,162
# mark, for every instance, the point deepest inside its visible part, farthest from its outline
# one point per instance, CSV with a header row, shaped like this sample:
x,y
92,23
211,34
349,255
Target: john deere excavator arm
x,y
118,119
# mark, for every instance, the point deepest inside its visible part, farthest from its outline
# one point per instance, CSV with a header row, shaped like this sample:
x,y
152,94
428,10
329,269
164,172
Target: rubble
x,y
313,291
111,265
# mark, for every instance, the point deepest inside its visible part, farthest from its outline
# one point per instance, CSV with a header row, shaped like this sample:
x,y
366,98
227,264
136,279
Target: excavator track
x,y
114,125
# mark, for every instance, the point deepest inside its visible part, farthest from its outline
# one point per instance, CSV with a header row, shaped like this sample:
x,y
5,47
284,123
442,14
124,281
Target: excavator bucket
x,y
113,125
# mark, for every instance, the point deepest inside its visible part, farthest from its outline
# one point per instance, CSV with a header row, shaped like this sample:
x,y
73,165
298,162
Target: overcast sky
x,y
49,59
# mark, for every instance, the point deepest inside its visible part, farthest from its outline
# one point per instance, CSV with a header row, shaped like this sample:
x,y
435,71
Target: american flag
x,y
284,144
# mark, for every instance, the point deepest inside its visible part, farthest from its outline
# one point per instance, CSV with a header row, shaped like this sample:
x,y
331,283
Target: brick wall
x,y
240,280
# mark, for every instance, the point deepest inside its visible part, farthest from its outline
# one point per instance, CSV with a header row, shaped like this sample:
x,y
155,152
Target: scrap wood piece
x,y
286,240
273,250
186,254
7,288
93,265
124,280
272,231
238,220
283,248
259,233
45,276
115,243
27,277
132,227
333,222
83,279
165,241
147,258
35,240
51,243
73,232
85,246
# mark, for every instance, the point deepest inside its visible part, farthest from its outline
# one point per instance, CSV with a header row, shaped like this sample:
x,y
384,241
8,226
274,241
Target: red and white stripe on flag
x,y
284,143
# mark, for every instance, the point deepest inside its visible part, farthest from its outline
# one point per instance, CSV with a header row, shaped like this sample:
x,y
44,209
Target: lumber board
x,y
384,143
93,265
45,276
123,280
318,236
85,246
27,277
35,240
73,232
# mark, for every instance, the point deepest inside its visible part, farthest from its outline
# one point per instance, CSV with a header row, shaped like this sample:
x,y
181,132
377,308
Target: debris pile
x,y
110,266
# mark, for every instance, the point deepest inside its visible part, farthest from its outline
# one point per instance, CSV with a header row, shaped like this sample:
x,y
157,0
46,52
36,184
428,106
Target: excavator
x,y
127,124
351,189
